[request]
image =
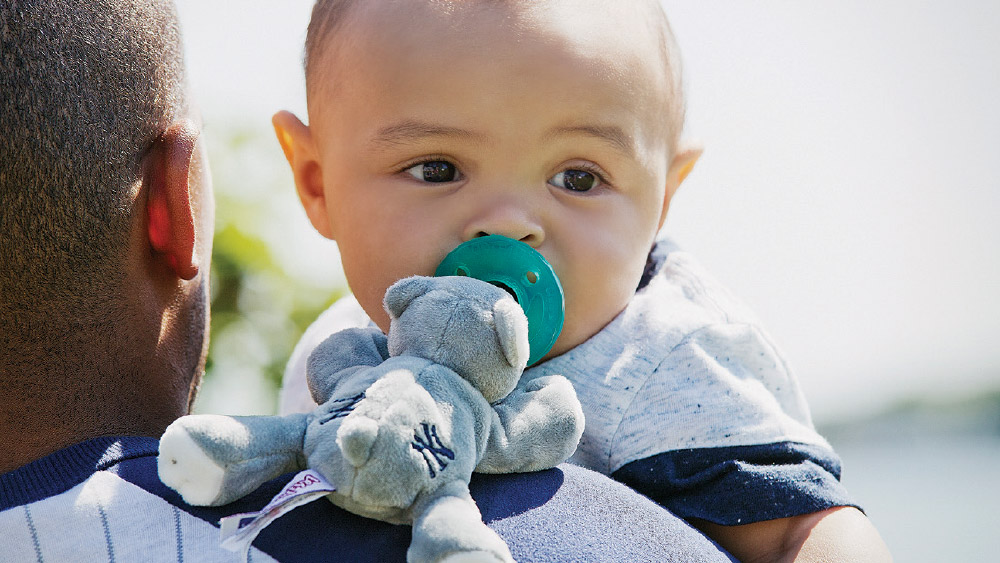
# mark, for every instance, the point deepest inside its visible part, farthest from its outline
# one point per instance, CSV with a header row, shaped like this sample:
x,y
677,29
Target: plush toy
x,y
402,420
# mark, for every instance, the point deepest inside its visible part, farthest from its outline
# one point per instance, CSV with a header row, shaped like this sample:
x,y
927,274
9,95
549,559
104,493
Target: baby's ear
x,y
512,332
681,165
400,294
296,142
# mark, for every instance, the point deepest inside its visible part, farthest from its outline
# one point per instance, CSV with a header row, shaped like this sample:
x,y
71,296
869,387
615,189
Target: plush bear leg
x,y
214,459
449,527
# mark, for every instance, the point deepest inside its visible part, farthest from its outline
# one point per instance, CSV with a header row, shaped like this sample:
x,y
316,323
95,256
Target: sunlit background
x,y
849,192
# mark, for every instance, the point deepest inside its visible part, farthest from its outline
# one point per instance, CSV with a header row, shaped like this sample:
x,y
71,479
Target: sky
x,y
848,191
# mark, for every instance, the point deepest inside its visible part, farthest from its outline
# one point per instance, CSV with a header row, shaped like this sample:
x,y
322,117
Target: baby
x,y
558,123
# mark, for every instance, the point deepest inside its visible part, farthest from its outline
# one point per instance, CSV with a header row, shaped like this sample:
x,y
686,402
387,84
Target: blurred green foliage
x,y
260,305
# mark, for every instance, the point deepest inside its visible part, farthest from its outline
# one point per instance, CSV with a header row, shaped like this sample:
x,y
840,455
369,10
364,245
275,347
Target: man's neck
x,y
30,432
71,378
20,445
46,412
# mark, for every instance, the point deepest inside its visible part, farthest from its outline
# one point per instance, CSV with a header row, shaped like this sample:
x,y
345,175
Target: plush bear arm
x,y
214,459
536,427
340,357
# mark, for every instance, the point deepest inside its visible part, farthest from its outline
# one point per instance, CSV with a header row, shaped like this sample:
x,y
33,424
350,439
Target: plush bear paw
x,y
490,548
450,528
186,468
473,557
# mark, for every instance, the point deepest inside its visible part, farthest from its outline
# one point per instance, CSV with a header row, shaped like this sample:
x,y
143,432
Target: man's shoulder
x,y
67,468
574,514
107,499
101,499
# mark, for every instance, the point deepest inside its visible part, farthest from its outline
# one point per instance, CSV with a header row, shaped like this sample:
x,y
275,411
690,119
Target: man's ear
x,y
681,165
296,141
171,224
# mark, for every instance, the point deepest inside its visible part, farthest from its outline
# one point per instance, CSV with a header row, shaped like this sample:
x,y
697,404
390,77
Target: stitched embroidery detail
x,y
344,408
180,537
430,447
34,534
107,533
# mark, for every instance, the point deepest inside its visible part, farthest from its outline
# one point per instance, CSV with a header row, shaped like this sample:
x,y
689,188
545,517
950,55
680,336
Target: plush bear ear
x,y
512,332
400,294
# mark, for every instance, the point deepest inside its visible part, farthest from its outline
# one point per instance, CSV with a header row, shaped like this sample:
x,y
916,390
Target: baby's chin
x,y
561,347
374,310
381,321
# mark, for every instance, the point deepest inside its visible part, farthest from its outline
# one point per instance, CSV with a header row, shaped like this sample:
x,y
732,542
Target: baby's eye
x,y
575,180
434,171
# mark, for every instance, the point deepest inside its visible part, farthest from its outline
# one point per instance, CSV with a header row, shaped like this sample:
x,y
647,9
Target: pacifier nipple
x,y
522,272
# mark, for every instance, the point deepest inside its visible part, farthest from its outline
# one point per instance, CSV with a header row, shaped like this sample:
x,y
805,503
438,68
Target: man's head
x,y
104,193
432,122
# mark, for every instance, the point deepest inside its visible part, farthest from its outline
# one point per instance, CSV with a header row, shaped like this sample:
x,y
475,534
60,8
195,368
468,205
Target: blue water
x,y
933,496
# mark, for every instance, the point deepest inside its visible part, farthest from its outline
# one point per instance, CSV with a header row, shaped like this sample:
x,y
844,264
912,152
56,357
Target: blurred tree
x,y
261,303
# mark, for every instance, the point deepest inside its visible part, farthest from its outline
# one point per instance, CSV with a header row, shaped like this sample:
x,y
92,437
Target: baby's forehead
x,y
637,26
631,39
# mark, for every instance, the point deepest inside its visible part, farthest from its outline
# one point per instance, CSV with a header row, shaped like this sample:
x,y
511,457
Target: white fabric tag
x,y
238,531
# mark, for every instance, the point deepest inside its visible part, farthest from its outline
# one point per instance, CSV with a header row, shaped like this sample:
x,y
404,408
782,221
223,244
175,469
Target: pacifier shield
x,y
524,273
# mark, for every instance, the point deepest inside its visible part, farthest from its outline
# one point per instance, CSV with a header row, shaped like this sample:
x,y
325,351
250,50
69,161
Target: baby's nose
x,y
512,221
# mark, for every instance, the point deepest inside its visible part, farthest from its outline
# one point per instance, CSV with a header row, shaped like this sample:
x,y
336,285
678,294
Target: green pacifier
x,y
521,271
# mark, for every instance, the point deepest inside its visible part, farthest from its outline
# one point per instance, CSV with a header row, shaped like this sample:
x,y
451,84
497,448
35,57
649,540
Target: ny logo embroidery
x,y
431,448
343,408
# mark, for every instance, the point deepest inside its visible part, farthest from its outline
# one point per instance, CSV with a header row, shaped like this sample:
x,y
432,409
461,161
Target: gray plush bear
x,y
402,421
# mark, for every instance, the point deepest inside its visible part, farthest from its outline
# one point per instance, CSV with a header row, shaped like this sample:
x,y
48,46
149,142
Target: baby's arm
x,y
753,459
536,427
836,534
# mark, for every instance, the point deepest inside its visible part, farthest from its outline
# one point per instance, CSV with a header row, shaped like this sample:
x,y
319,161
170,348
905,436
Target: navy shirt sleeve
x,y
740,484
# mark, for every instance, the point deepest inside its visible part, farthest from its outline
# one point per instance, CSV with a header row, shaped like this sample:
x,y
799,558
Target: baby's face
x,y
443,122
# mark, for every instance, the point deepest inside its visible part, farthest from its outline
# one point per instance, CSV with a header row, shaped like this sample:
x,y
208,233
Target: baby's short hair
x,y
329,15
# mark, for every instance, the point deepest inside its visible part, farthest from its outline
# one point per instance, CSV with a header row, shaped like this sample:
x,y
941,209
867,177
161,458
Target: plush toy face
x,y
469,326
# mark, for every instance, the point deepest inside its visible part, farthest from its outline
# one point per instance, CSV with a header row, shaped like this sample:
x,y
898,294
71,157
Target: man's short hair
x,y
86,88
